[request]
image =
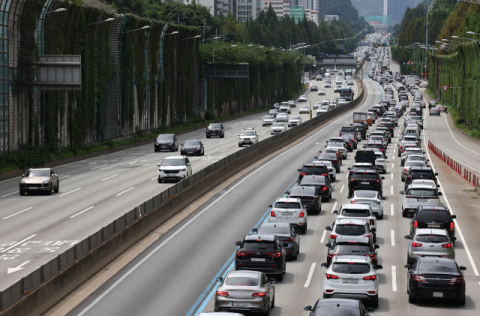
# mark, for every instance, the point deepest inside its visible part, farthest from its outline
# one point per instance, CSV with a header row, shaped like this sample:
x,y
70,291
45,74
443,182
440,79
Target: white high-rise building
x,y
281,7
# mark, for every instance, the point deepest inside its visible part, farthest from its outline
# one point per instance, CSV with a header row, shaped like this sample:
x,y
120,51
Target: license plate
x,y
364,183
287,213
258,259
164,146
433,225
355,281
32,188
239,304
422,200
437,294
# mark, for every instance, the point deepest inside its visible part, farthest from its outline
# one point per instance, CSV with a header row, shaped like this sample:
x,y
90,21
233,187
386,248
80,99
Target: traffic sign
x,y
425,74
413,67
404,63
425,66
445,88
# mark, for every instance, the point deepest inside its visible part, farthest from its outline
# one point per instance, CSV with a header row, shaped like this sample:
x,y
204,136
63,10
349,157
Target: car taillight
x,y
302,214
372,222
349,144
451,226
331,276
416,244
220,293
324,174
415,224
274,254
400,147
289,239
303,174
373,257
370,278
447,245
381,149
456,280
405,170
335,161
330,255
324,189
333,236
272,213
353,202
261,294
420,278
243,253
409,178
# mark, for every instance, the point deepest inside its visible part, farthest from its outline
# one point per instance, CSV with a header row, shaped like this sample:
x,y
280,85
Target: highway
x,y
176,274
34,229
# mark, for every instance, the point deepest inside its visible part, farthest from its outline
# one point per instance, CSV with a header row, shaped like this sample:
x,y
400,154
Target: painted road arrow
x,y
20,267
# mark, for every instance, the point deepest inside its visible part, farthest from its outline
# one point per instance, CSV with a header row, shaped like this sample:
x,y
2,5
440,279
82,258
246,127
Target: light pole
x,y
221,48
104,21
458,37
473,33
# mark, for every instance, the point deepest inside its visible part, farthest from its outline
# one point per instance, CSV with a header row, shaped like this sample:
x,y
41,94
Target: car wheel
x,y
160,180
403,179
239,145
374,238
380,216
57,188
304,230
295,257
404,213
273,301
411,299
22,193
203,152
461,301
374,302
208,136
49,189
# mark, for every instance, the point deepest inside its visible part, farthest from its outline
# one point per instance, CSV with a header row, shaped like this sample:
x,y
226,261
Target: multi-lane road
x,y
36,228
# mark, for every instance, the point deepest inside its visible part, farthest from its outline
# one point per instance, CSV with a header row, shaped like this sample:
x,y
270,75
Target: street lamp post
x,y
473,33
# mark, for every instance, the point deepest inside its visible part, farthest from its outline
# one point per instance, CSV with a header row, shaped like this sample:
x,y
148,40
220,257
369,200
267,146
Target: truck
x,y
410,81
360,117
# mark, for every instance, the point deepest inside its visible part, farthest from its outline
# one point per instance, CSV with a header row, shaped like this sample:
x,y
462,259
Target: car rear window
x,y
352,247
350,230
355,213
287,205
284,230
431,238
429,216
349,268
415,164
241,281
364,176
366,194
422,174
258,245
348,129
430,267
315,170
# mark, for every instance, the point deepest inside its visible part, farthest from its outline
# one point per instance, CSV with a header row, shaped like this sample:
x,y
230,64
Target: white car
x,y
294,121
321,111
277,128
285,108
327,85
291,211
417,195
380,162
360,211
370,198
316,105
352,277
304,110
342,102
325,102
302,98
349,227
268,120
248,136
430,183
321,92
332,172
174,168
340,146
282,117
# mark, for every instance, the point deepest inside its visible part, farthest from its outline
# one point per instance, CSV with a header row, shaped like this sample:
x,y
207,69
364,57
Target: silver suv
x,y
360,211
350,227
174,168
248,136
289,210
429,242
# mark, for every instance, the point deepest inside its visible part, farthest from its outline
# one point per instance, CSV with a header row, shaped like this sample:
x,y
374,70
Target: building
x,y
248,9
378,26
329,18
223,6
281,7
321,10
210,4
297,13
312,15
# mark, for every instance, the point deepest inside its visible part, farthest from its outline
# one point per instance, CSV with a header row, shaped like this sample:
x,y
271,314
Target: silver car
x,y
294,121
327,84
321,92
360,211
174,168
316,105
409,164
248,136
304,110
287,210
350,227
285,109
429,242
371,198
277,128
417,195
282,117
325,102
39,180
268,120
249,291
321,111
302,98
340,146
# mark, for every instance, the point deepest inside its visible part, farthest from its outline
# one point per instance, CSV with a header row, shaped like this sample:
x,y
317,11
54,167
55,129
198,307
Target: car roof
x,y
175,157
220,314
421,168
244,273
275,224
293,200
257,237
365,171
432,207
355,221
422,231
356,206
340,302
356,239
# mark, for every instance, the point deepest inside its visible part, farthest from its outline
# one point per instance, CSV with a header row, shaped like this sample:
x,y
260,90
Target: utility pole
x,y
426,42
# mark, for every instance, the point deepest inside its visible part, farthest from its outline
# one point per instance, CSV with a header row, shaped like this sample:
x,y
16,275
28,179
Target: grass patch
x,y
459,122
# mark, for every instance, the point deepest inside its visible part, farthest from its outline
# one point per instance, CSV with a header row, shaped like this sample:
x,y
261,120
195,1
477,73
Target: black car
x,y
425,173
436,217
376,145
192,147
435,278
309,196
263,253
215,129
321,184
391,126
352,246
311,169
365,180
330,157
338,307
166,142
360,129
286,233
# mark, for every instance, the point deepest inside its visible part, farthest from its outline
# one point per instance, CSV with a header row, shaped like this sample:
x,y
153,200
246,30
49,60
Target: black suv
x,y
166,142
352,246
436,217
312,170
263,253
309,196
215,129
321,184
425,173
338,307
366,179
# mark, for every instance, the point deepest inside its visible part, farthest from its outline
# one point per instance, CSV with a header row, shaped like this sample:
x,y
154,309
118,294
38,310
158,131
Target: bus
x,y
346,93
348,72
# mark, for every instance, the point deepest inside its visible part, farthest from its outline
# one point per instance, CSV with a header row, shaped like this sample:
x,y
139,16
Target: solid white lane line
x,y
110,177
334,206
145,164
391,210
89,208
132,162
125,191
341,190
310,274
64,177
391,190
394,278
100,166
323,237
70,192
18,243
18,213
392,236
393,157
9,194
391,176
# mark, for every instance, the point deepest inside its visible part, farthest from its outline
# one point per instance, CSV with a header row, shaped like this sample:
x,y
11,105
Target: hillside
x,y
346,11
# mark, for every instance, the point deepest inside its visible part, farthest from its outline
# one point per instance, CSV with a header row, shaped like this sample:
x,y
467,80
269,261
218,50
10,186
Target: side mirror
x,y
376,246
370,309
384,198
373,229
349,168
378,267
299,170
407,237
454,216
328,228
324,265
285,244
181,144
315,157
238,243
308,308
272,280
328,245
287,192
440,193
255,230
438,185
453,238
157,165
408,266
220,279
436,173
402,193
383,178
335,212
428,159
463,268
270,205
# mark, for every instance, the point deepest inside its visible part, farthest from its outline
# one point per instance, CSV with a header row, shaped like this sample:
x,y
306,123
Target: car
x,y
284,108
39,180
248,136
325,102
294,121
441,107
292,211
365,179
282,117
314,88
337,89
304,110
263,253
220,314
358,272
321,92
402,147
350,227
327,85
249,291
166,142
273,112
434,111
338,307
192,147
350,83
428,242
340,146
309,196
361,211
419,195
352,245
409,164
336,162
275,106
370,198
302,98
342,102
407,151
332,105
321,111
420,173
215,129
434,217
174,168
331,169
277,128
268,120
292,104
318,78
286,233
435,278
321,183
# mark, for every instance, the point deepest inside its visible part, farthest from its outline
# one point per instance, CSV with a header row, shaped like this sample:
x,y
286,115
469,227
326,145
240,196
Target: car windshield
x,y
335,145
192,143
270,117
366,194
429,216
364,176
37,173
350,230
430,267
173,162
348,129
434,239
349,268
422,192
215,125
355,212
278,124
352,247
288,205
294,117
258,245
241,281
248,133
284,230
165,137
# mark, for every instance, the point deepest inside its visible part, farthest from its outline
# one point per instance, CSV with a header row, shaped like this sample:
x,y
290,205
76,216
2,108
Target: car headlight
x,y
22,181
157,143
171,143
46,181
